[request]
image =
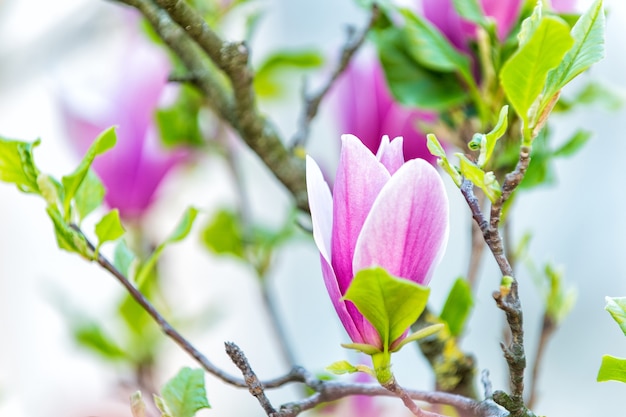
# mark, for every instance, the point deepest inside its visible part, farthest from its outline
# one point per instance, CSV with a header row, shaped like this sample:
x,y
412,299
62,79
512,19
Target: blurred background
x,y
49,50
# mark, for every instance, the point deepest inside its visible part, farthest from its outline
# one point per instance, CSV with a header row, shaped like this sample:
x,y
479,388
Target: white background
x,y
580,224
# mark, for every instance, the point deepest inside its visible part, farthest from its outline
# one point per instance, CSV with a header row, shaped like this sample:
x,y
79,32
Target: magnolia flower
x,y
459,32
367,110
133,170
383,212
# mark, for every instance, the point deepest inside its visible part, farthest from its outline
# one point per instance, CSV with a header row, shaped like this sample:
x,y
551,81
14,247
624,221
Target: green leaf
x,y
341,367
89,195
431,48
17,165
123,258
486,143
50,189
92,336
457,306
588,48
420,334
223,235
361,347
435,148
612,369
486,181
574,144
523,76
178,123
268,78
180,232
109,228
184,394
616,306
71,183
411,83
470,10
559,300
67,238
390,304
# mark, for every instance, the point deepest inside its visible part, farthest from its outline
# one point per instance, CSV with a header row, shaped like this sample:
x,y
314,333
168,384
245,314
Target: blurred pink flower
x,y
134,169
367,110
459,32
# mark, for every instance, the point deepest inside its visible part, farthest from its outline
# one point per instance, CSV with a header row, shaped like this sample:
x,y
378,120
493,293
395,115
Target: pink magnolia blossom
x,y
367,110
383,212
459,32
134,169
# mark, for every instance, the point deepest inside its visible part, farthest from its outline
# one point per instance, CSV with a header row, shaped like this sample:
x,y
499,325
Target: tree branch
x,y
312,102
507,298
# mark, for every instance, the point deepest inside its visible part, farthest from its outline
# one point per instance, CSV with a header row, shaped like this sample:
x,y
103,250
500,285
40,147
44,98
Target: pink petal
x,y
390,154
330,280
504,12
407,229
402,121
360,177
321,206
564,6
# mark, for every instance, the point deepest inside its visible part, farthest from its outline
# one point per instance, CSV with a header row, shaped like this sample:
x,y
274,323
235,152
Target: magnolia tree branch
x,y
312,102
507,298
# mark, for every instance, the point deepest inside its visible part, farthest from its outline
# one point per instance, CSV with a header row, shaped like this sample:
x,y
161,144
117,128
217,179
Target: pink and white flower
x,y
383,212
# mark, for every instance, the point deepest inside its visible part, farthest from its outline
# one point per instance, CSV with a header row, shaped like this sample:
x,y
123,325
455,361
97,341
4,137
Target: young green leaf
x,y
267,81
17,165
457,306
109,228
341,367
486,181
574,144
523,76
486,143
430,48
470,10
223,235
71,183
390,304
616,306
67,238
90,335
89,195
588,48
123,258
180,232
418,335
612,369
435,148
184,394
411,83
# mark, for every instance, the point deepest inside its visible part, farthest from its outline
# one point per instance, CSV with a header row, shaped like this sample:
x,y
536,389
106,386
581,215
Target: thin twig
x,y
312,102
507,298
252,381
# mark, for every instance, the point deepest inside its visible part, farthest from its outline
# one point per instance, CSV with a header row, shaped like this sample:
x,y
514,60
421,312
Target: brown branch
x,y
312,102
507,298
252,381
